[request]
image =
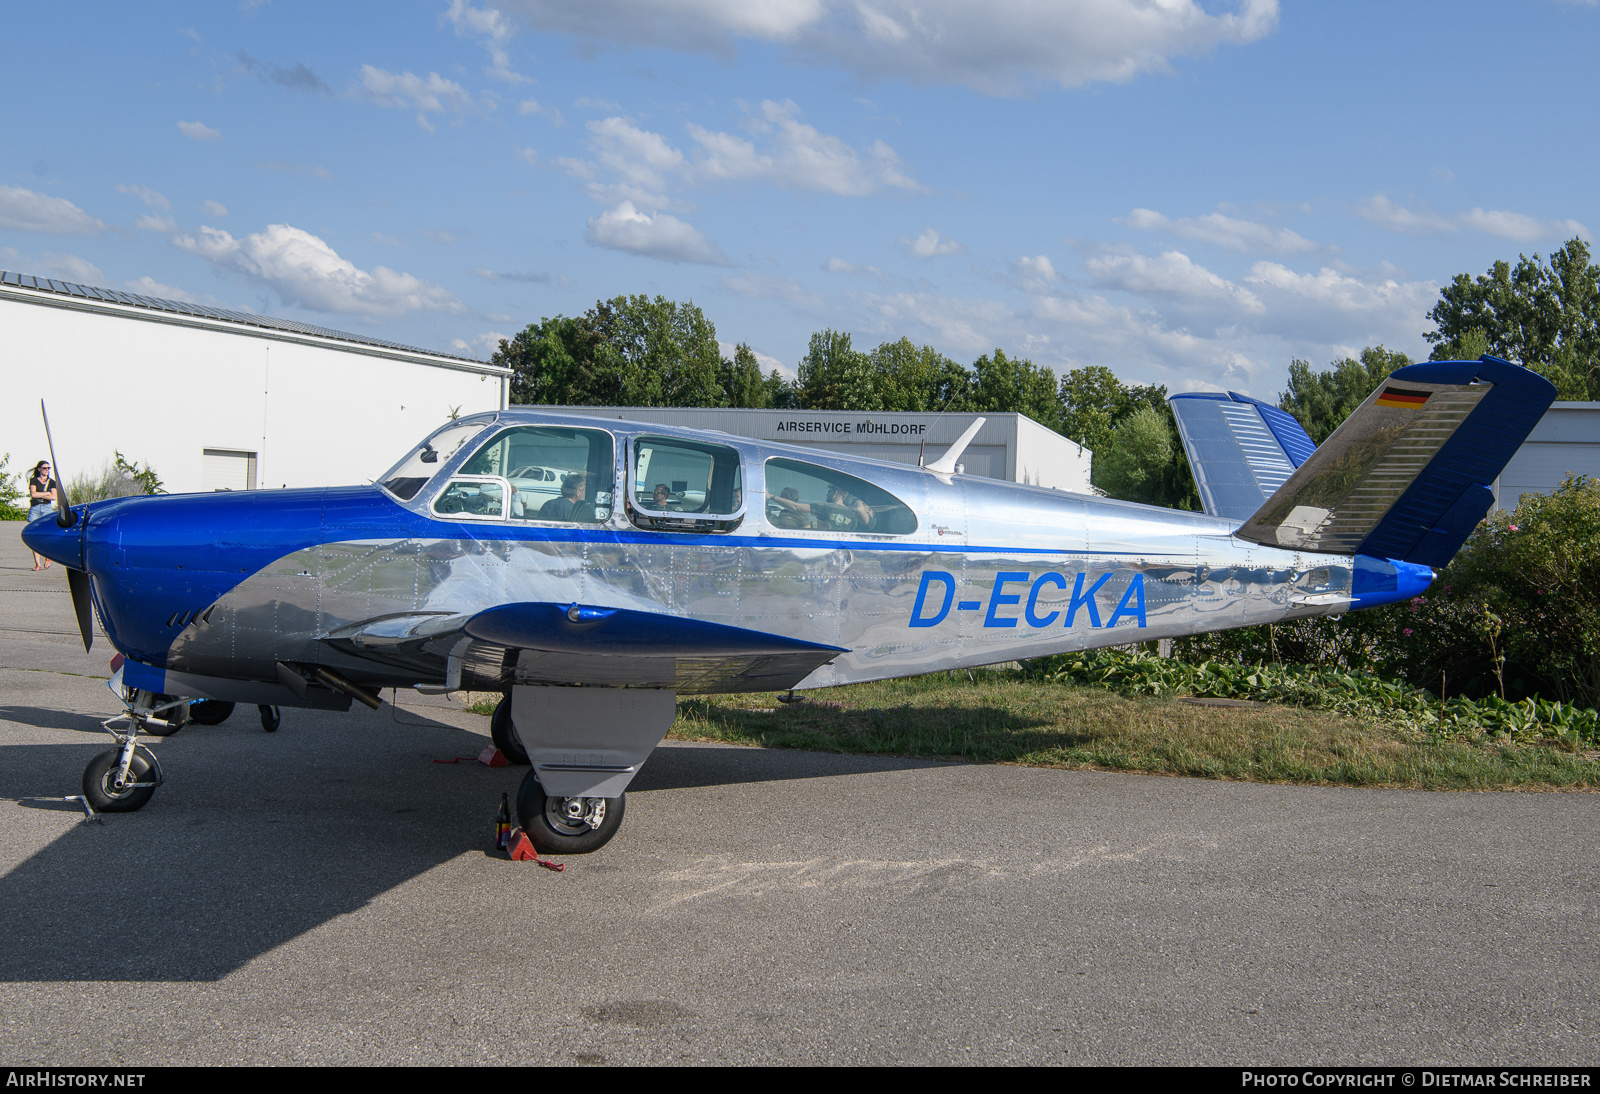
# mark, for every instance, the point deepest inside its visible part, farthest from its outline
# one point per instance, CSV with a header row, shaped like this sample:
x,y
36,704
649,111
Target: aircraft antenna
x,y
946,464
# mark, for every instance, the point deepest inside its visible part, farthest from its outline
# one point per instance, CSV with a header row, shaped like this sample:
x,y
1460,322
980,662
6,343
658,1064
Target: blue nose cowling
x,y
58,544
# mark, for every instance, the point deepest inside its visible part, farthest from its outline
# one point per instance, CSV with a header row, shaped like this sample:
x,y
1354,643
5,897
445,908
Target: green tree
x,y
627,351
742,382
833,376
1322,400
1546,318
907,377
1133,459
12,506
1008,385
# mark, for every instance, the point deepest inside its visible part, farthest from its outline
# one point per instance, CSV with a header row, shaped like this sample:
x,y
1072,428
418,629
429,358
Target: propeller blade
x,y
65,517
78,582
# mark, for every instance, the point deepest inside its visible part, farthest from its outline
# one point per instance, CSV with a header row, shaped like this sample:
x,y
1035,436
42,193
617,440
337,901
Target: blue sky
x,y
1188,193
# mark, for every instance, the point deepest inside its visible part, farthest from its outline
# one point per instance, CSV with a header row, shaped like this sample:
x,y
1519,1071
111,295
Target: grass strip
x,y
993,717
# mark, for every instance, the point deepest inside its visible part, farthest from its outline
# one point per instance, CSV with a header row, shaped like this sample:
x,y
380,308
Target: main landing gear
x,y
567,826
504,735
121,779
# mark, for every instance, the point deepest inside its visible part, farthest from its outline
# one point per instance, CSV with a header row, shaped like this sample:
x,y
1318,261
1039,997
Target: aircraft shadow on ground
x,y
258,838
44,718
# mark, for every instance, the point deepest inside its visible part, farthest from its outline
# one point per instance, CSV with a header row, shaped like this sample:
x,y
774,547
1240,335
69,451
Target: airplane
x,y
673,561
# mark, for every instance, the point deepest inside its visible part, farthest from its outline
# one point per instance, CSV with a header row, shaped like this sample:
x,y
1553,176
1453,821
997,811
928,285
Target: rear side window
x,y
685,486
554,474
803,497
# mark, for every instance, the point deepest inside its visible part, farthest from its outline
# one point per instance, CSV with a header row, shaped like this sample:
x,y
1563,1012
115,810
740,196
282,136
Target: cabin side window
x,y
803,497
552,473
685,486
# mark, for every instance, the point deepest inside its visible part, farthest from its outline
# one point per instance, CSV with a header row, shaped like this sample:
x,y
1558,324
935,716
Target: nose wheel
x,y
567,826
122,779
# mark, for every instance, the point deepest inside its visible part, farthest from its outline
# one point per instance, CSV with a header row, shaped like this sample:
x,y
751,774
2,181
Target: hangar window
x,y
807,498
554,473
685,486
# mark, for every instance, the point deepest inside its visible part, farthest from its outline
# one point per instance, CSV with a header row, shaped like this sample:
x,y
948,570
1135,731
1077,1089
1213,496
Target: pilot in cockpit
x,y
842,512
570,505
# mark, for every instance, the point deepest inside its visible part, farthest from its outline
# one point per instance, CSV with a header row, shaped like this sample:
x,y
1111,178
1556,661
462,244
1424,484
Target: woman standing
x,y
41,499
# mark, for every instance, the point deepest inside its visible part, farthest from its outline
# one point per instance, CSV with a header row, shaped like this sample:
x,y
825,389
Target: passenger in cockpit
x,y
569,506
842,512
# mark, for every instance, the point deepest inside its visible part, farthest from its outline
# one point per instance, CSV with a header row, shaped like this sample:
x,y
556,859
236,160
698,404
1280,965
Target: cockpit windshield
x,y
423,462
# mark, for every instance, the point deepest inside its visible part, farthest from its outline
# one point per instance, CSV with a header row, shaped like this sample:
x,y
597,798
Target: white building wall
x,y
163,393
1566,441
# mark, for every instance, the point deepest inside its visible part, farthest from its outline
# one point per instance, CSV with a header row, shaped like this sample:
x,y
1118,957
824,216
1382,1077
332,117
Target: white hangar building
x,y
214,399
1012,447
1565,442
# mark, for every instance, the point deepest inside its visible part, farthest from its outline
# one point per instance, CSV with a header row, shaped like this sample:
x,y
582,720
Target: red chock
x,y
493,757
521,849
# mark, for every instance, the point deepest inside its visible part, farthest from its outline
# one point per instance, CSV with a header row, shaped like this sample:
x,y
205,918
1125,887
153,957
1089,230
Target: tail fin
x,y
1241,449
1407,476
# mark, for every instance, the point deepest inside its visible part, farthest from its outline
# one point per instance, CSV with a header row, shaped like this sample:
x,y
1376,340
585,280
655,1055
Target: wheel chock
x,y
493,757
521,849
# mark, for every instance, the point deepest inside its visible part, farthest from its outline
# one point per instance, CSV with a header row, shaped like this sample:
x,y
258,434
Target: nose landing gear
x,y
121,779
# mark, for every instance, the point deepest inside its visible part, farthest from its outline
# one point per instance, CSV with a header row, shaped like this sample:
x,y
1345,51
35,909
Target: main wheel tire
x,y
209,712
270,718
104,797
504,735
174,717
541,818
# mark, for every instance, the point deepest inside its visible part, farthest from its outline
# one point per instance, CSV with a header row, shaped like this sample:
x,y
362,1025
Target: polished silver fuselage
x,y
983,551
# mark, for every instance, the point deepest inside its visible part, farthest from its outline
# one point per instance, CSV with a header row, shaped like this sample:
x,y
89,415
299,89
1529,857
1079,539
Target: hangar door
x,y
226,469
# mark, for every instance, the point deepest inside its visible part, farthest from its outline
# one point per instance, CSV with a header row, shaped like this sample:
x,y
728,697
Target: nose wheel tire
x,y
100,787
567,826
504,735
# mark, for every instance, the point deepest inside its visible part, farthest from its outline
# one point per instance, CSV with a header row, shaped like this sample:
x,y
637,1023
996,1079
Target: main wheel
x,y
209,712
100,788
504,735
567,826
173,717
270,718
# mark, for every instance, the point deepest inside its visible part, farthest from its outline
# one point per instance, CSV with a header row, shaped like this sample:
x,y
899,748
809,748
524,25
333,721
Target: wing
x,y
539,643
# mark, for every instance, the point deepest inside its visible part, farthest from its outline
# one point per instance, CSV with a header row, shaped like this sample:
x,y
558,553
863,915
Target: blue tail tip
x,y
1378,581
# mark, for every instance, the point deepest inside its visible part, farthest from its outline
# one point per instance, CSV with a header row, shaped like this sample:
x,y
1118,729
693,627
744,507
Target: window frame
x,y
658,520
505,499
830,475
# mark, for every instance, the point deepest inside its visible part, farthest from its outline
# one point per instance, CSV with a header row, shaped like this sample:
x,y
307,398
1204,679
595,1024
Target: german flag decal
x,y
1399,397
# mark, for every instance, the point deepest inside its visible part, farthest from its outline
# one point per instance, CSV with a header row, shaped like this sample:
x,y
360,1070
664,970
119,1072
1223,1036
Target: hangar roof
x,y
178,307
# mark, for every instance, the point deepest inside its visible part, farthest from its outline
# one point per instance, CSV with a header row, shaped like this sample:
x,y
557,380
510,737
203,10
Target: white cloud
x,y
1173,277
440,237
198,131
304,271
1518,227
492,25
1230,233
660,236
1037,268
408,91
149,286
839,265
155,224
25,211
534,106
1001,47
63,267
793,154
639,157
929,244
767,287
215,208
146,195
481,345
379,237
765,360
